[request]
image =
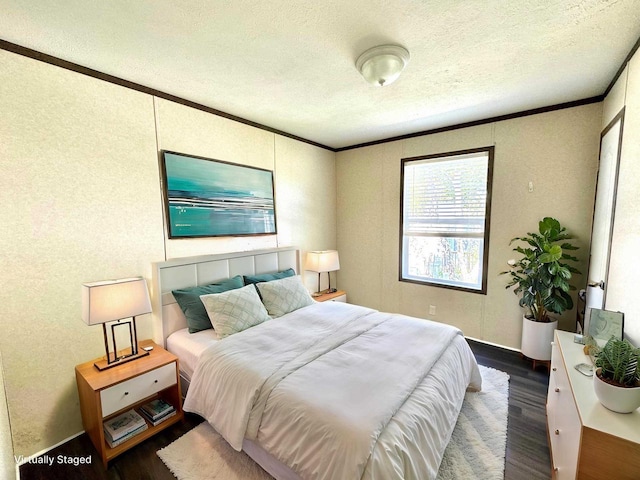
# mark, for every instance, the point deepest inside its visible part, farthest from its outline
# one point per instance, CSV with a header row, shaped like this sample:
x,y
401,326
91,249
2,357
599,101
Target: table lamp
x,y
323,261
114,301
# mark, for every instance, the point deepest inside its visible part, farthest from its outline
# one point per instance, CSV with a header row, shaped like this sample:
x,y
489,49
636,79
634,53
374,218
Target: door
x,y
604,213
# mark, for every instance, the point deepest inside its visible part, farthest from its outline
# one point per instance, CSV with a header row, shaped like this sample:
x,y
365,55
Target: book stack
x,y
157,411
121,428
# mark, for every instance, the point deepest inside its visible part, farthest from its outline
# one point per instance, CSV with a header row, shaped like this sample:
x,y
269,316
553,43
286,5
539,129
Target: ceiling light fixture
x,y
382,65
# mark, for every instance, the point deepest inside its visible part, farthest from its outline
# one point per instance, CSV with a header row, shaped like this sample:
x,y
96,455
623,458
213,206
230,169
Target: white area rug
x,y
476,450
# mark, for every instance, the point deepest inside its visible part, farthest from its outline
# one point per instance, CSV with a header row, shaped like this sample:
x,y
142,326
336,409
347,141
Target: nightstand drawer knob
x,y
554,369
557,390
557,432
126,393
155,381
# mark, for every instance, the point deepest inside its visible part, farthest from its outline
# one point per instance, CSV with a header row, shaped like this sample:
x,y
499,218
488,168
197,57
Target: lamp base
x,y
324,292
104,364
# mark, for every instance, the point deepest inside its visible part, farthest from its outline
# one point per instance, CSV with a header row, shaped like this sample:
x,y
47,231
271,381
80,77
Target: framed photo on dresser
x,y
604,324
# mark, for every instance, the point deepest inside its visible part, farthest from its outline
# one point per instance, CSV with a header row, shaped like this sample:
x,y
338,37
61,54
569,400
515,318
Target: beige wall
x,y
80,188
7,462
186,130
622,290
79,170
306,195
557,151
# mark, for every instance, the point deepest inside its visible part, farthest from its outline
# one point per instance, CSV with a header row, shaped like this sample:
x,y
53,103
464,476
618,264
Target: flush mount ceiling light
x,y
382,65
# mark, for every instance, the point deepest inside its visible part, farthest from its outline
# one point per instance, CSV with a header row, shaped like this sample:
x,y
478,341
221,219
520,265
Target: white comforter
x,y
337,391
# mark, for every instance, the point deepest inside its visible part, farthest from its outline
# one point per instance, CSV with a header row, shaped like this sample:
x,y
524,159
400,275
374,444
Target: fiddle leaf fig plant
x,y
543,273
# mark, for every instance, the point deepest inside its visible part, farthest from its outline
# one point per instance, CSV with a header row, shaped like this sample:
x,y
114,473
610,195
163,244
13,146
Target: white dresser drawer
x,y
126,393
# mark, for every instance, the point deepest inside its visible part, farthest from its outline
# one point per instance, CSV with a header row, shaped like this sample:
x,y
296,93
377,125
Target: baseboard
x,y
493,344
26,458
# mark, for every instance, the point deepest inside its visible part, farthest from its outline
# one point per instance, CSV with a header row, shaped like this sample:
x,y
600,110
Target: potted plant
x,y
617,378
542,278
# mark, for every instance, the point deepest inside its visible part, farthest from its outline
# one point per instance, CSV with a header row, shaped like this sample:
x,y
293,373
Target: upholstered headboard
x,y
201,270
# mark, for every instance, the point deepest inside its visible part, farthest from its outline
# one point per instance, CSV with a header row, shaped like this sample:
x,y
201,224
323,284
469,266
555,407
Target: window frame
x,y
490,151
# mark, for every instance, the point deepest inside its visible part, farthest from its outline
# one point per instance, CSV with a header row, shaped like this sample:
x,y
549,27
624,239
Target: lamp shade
x,y
382,65
323,261
114,300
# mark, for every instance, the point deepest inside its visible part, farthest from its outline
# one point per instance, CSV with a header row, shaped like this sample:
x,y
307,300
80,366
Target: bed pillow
x,y
191,305
284,295
235,310
269,277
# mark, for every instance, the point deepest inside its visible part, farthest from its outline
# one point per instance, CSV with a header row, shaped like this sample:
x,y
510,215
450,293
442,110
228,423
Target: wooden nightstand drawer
x,y
131,391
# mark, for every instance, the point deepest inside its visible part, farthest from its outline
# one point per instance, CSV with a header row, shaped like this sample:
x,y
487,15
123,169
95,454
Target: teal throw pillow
x,y
191,305
268,277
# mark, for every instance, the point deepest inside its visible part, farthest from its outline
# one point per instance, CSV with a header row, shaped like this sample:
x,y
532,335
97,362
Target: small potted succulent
x,y
617,378
542,278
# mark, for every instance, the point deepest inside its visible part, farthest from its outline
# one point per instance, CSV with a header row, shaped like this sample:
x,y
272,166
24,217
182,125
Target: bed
x,y
328,390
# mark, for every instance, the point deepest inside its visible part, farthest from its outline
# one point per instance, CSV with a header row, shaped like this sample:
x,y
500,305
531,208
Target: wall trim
x,y
74,67
493,344
626,61
499,118
26,458
50,59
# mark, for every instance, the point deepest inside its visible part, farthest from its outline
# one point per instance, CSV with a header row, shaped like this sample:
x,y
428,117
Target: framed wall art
x,y
212,198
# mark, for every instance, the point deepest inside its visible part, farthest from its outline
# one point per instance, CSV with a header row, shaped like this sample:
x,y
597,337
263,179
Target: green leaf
x,y
549,227
573,269
564,273
569,257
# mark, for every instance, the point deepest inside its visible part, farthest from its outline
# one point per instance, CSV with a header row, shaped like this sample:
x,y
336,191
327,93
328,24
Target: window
x,y
444,208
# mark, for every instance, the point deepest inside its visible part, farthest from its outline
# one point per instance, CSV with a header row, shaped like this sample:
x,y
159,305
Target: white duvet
x,y
337,391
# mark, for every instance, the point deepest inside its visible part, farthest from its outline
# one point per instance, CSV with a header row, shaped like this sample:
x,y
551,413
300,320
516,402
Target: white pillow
x,y
284,296
234,310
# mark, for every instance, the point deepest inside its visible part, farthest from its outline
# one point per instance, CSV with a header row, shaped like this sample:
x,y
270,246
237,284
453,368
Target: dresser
x,y
586,441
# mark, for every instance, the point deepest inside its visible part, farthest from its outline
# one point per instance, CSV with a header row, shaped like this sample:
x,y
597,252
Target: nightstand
x,y
105,394
337,296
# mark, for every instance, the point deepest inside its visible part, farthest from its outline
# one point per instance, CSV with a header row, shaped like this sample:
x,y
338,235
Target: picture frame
x,y
204,197
604,324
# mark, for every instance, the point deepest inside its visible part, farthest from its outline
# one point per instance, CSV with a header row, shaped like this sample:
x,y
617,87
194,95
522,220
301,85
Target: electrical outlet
x,y
432,309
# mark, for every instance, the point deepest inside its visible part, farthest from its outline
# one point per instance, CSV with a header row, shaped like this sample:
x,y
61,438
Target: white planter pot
x,y
537,338
617,399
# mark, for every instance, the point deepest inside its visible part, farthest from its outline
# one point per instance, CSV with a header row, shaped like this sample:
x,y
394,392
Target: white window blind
x,y
446,196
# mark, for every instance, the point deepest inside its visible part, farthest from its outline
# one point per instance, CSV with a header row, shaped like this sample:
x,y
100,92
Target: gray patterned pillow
x,y
235,310
284,296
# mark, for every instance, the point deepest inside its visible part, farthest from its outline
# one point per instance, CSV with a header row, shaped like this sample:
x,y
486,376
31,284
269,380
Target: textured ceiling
x,y
289,64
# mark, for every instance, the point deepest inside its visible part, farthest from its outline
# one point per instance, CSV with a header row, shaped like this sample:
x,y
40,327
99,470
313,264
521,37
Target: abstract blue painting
x,y
212,198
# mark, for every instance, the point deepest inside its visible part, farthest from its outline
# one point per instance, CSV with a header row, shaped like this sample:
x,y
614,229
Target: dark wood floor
x,y
527,445
527,451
